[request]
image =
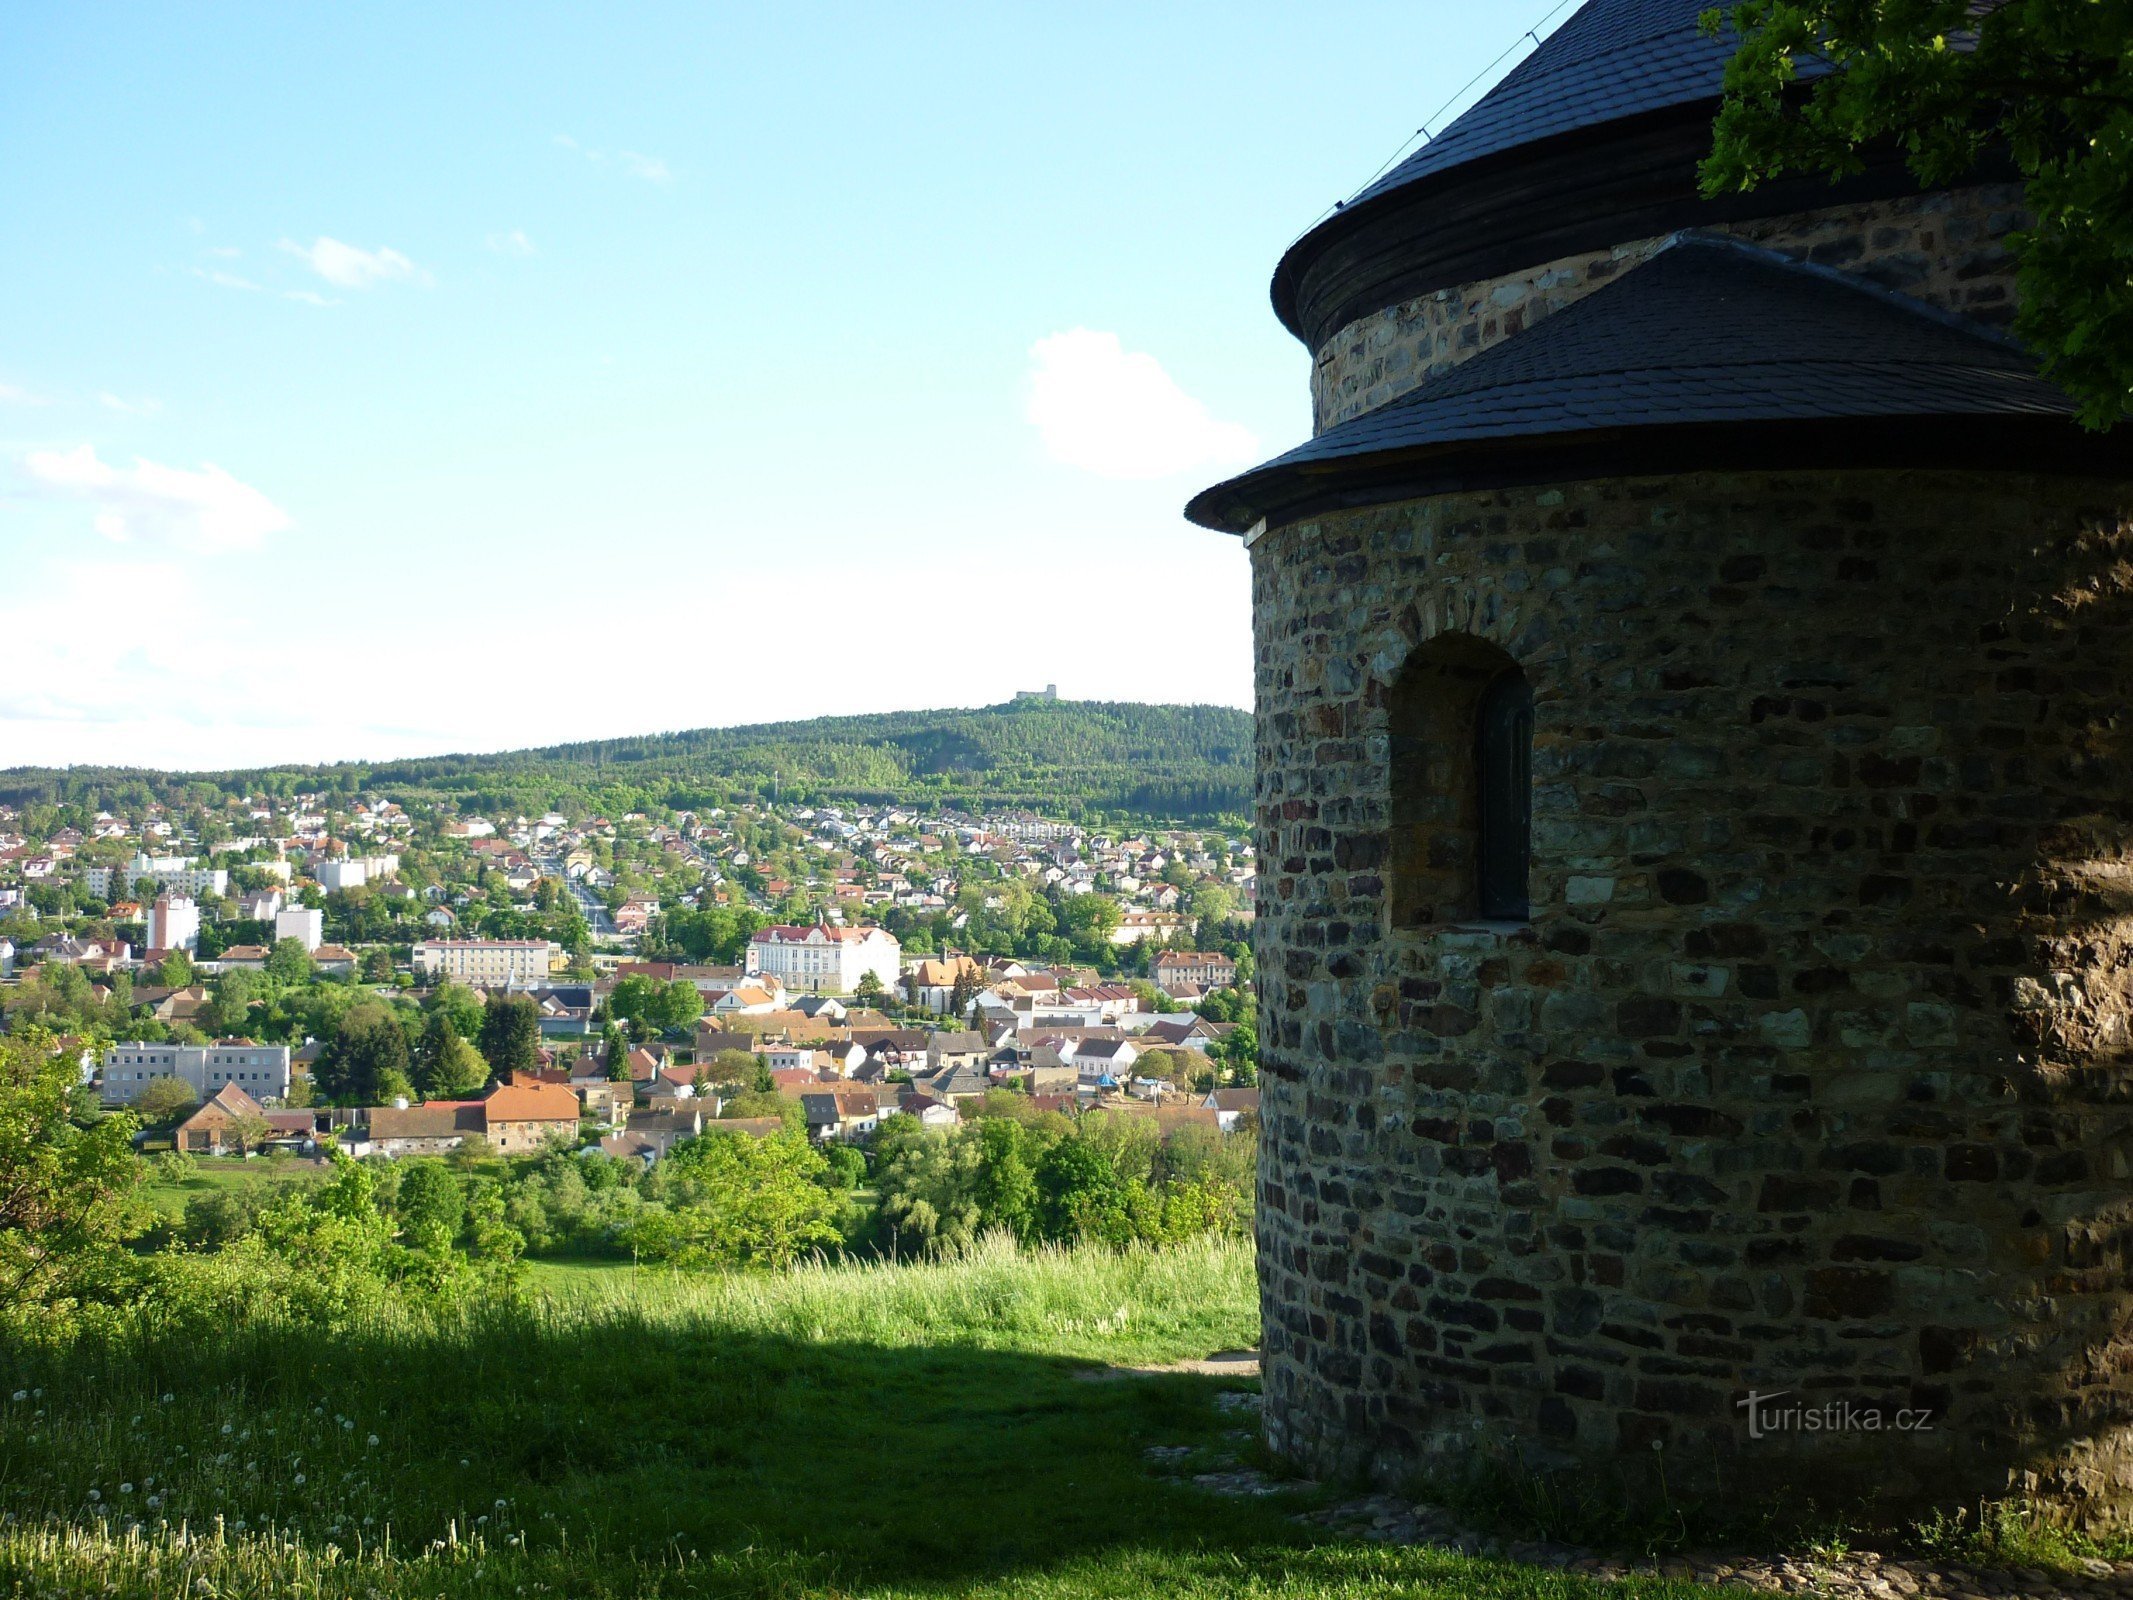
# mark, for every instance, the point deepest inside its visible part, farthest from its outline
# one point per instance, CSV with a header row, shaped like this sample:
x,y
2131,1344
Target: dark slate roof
x,y
1708,331
1612,59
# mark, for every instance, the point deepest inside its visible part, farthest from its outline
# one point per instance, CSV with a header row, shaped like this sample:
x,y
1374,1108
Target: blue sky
x,y
394,379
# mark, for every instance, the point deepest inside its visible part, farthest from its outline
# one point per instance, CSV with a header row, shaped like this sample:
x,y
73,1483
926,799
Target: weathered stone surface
x,y
1808,1072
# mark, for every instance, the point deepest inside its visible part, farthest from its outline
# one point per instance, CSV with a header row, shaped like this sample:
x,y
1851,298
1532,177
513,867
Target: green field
x,y
212,1174
834,1431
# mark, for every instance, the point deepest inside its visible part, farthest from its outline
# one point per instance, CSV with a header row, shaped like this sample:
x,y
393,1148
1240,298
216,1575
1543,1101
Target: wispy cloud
x,y
310,297
348,266
224,280
15,395
514,243
1115,412
145,407
206,510
651,169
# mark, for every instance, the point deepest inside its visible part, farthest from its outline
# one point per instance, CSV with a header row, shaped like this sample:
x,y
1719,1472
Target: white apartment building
x,y
486,963
306,926
260,1070
173,874
356,871
825,960
173,923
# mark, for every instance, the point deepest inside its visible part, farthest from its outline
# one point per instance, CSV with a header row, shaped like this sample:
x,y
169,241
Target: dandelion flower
x,y
372,1441
125,1488
96,1494
299,1480
168,1398
229,1428
22,1394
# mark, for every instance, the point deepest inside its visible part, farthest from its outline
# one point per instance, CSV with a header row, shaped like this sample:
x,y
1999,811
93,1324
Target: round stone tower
x,y
1695,824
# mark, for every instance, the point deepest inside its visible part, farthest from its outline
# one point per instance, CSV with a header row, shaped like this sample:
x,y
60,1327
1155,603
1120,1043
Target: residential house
x,y
1101,1063
957,1049
525,1114
233,1120
840,1114
425,1130
1231,1105
931,1112
649,1135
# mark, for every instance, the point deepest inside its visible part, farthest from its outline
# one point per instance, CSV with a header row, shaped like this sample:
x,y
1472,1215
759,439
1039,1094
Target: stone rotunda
x,y
1695,819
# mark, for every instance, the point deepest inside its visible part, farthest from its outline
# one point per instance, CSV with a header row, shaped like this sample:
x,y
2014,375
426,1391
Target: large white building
x,y
306,926
486,963
172,874
825,960
356,871
173,923
260,1070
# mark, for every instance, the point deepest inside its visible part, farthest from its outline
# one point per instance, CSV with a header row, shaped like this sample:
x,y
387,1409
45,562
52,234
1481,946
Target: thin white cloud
x,y
310,297
206,510
514,243
1115,412
147,406
224,252
15,395
348,266
224,280
651,169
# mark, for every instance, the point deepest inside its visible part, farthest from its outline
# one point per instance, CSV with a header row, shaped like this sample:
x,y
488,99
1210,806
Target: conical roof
x,y
1595,137
1710,333
1612,59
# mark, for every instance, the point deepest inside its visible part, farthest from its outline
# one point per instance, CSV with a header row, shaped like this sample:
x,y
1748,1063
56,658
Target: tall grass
x,y
636,1432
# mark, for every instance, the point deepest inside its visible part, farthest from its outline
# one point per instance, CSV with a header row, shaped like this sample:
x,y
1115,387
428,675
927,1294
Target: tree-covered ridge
x,y
1061,757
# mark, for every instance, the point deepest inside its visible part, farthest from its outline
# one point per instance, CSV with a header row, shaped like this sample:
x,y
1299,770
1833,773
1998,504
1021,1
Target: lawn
x,y
914,1430
210,1174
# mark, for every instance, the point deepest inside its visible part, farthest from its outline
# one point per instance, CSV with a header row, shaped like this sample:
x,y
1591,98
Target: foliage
x,y
510,1034
289,961
366,1058
65,1176
735,1201
446,1067
1058,756
661,1007
1108,1177
2047,82
164,1101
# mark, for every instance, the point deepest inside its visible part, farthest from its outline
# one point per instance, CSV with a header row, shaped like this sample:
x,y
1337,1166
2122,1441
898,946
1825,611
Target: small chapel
x,y
1694,672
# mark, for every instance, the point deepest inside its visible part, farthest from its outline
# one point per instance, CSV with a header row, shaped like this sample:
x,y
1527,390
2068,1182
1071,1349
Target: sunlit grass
x,y
874,1430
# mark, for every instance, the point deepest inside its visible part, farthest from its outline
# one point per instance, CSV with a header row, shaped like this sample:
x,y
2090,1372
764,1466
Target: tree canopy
x,y
1949,82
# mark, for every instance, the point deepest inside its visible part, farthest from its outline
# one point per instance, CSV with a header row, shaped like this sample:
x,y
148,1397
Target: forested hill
x,y
1059,757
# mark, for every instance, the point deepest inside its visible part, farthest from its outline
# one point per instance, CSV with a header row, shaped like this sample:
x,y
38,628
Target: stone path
x,y
1854,1575
1231,1364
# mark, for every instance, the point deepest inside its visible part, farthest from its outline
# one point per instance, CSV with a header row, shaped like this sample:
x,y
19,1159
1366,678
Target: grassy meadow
x,y
836,1430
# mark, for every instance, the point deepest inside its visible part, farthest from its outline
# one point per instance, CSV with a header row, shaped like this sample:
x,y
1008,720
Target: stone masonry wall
x,y
1809,1072
1944,248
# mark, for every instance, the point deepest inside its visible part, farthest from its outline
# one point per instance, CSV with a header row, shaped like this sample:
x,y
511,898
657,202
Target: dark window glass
x,y
1503,764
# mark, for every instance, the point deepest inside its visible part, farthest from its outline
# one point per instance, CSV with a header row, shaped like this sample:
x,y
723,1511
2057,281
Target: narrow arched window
x,y
1459,812
1503,771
